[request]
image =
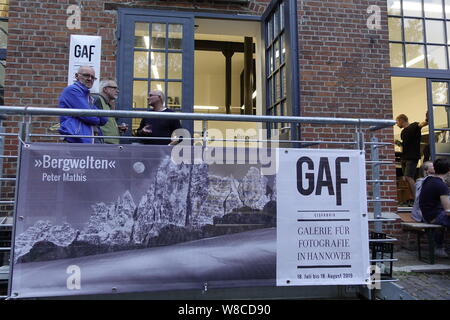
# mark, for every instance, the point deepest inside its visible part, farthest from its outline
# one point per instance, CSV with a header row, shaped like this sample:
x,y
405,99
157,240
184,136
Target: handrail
x,y
381,123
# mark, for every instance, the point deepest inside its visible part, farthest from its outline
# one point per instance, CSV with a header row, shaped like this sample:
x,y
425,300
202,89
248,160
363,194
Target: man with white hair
x,y
435,203
428,169
76,96
109,91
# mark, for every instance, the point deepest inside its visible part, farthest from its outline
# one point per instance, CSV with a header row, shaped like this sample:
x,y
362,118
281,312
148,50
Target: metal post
x,y
24,135
376,187
2,146
359,144
376,193
24,132
204,132
359,137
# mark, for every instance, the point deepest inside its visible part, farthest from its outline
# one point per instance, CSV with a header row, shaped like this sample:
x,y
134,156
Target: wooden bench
x,y
420,229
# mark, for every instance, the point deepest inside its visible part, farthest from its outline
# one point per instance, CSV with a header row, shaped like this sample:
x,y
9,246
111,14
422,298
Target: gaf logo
x,y
89,162
319,178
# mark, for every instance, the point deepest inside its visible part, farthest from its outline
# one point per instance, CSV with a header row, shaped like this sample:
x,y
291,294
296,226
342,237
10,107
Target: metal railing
x,y
359,127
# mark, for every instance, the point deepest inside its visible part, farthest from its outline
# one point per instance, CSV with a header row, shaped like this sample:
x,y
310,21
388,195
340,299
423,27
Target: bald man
x,y
76,96
156,127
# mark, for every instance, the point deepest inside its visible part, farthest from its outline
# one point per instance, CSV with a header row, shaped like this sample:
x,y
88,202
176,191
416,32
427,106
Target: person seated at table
x,y
434,201
427,169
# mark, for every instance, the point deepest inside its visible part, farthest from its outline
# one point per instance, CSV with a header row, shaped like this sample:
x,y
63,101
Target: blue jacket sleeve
x,y
74,98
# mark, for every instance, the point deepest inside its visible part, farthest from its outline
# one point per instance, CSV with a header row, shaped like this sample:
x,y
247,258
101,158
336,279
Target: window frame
x,y
291,35
399,71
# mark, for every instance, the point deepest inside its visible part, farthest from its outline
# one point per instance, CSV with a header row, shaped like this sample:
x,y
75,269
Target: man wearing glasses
x,y
76,96
109,91
156,127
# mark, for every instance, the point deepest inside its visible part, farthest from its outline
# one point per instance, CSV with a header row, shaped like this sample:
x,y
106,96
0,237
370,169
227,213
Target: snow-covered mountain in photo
x,y
178,195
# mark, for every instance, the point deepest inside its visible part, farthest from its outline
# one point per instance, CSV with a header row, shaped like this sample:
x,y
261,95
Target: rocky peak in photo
x,y
185,196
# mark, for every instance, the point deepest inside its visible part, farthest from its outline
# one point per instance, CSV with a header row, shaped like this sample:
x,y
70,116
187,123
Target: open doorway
x,y
225,53
409,97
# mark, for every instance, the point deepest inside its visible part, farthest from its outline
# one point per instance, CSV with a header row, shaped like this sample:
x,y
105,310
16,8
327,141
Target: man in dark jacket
x,y
157,127
434,201
76,96
411,135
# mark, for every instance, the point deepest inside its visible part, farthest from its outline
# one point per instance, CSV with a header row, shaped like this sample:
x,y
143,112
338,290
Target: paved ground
x,y
421,280
426,286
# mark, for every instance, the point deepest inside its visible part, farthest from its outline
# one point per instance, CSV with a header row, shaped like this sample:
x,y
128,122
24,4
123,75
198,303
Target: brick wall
x,y
344,72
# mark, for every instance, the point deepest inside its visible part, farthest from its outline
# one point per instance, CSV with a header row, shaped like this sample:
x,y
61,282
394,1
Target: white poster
x,y
85,51
322,231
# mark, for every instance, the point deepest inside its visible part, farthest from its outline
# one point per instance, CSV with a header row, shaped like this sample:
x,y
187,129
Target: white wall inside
x,y
233,31
409,96
209,78
210,74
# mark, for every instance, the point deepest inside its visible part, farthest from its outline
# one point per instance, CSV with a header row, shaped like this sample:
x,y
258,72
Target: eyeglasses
x,y
154,95
112,87
88,76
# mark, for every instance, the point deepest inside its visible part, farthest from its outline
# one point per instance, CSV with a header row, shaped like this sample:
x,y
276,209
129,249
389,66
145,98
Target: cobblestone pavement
x,y
425,286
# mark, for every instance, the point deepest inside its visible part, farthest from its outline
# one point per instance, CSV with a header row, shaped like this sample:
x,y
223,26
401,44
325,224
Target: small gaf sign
x,y
85,51
322,233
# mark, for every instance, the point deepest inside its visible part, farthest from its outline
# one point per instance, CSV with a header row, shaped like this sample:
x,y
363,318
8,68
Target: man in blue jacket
x,y
76,96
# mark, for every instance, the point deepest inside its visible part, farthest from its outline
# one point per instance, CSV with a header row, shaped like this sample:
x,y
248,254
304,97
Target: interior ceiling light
x,y
207,107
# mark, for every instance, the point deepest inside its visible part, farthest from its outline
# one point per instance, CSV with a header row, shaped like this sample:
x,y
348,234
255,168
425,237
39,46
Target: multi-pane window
x,y
276,63
158,52
419,33
440,132
4,6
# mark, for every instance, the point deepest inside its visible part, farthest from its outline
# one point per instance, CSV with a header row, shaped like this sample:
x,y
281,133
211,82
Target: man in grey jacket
x,y
428,169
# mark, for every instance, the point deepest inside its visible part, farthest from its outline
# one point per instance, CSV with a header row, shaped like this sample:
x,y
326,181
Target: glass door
x,y
156,53
439,117
279,27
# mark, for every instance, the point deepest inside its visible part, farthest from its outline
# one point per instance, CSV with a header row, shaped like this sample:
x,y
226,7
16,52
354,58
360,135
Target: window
x,y
158,61
157,50
419,33
276,63
281,68
439,108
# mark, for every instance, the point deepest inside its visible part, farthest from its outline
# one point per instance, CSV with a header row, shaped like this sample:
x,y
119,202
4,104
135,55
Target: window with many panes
x,y
419,33
157,49
158,63
276,63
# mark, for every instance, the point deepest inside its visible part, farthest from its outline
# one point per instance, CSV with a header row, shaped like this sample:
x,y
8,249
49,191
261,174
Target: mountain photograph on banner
x,y
173,218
